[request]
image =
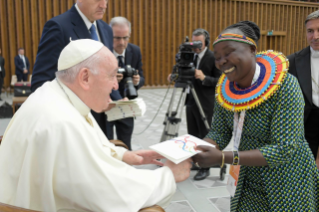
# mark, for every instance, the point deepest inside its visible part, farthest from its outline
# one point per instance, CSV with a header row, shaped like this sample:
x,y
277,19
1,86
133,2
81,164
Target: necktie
x,y
120,59
88,119
94,33
195,61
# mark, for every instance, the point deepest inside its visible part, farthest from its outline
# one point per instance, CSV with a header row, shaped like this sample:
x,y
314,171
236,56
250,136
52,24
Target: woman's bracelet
x,y
223,160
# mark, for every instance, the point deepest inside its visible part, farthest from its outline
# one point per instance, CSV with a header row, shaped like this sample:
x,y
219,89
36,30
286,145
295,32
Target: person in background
x,y
80,22
2,73
126,54
204,82
22,65
304,65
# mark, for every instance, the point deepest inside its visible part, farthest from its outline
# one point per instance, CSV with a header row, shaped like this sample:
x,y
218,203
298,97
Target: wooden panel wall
x,y
159,26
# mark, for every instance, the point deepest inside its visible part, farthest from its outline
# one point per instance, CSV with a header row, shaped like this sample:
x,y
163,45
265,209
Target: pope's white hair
x,y
70,74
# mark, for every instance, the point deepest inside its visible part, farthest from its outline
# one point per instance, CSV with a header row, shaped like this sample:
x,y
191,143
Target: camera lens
x,y
187,56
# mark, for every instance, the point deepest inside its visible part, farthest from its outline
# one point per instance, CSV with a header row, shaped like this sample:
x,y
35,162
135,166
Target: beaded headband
x,y
234,37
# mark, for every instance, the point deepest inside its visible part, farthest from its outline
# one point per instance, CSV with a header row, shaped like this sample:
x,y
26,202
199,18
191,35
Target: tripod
x,y
173,117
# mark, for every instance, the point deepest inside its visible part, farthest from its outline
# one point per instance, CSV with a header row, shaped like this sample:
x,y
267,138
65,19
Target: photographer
x,y
204,82
126,54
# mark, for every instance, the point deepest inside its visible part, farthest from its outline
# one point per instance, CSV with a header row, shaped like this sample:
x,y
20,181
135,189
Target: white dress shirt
x,y
200,56
53,159
314,60
87,22
117,54
23,59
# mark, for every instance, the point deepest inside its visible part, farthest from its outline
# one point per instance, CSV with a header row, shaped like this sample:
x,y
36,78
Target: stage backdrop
x,y
159,26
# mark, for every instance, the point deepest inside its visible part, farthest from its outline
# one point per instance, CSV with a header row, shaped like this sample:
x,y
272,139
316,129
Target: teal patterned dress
x,y
275,127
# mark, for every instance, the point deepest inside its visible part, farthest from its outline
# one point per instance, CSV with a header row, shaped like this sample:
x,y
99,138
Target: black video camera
x,y
129,89
184,70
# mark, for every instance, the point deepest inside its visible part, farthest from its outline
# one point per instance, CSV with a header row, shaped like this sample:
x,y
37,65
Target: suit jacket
x,y
133,57
56,35
205,89
3,71
18,62
300,67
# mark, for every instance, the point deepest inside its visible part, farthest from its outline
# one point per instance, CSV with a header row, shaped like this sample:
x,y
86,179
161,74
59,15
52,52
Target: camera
x,y
184,70
129,89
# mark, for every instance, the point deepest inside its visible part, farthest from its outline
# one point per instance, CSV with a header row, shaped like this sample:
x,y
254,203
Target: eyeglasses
x,y
120,38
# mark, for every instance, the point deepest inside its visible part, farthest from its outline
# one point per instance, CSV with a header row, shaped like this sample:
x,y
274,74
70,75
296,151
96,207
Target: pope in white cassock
x,y
54,156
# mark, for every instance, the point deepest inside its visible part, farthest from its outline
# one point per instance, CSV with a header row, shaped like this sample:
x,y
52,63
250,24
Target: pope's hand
x,y
141,157
209,156
180,171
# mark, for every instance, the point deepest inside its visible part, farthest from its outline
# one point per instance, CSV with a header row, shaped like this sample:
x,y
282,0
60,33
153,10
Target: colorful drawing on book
x,y
186,145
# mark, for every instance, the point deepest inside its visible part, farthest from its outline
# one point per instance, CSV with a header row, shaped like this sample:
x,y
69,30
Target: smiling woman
x,y
260,107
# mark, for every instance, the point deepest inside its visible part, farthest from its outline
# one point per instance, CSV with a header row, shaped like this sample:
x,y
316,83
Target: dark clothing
x,y
20,66
56,34
2,72
133,57
312,130
195,125
300,67
205,91
124,127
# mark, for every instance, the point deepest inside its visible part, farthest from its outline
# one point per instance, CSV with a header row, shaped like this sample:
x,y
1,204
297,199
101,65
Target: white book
x,y
180,148
125,109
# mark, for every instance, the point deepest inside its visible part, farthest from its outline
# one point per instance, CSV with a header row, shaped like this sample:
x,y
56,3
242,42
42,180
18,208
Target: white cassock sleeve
x,y
65,166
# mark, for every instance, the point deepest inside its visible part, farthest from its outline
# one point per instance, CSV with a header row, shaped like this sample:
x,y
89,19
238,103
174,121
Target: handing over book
x,y
180,148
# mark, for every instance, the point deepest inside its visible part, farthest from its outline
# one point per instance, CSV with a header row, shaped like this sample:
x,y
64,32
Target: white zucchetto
x,y
77,51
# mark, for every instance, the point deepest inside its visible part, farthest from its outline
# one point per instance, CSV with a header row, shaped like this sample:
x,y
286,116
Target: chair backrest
x,y
154,208
30,77
10,208
14,79
119,143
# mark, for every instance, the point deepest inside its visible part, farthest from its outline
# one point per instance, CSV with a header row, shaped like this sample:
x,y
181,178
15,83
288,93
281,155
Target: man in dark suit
x,y
126,54
80,22
206,77
22,65
2,73
305,66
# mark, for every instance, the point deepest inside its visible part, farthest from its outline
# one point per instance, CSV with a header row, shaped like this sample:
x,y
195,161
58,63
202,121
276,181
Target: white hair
x,y
314,15
70,74
119,20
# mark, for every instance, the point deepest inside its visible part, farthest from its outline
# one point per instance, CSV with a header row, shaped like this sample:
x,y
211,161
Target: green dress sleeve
x,y
287,129
220,132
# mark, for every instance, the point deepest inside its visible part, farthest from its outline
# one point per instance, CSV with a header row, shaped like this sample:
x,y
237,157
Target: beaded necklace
x,y
273,69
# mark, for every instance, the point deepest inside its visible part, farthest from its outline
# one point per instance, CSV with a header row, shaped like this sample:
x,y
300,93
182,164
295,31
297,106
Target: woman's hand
x,y
209,156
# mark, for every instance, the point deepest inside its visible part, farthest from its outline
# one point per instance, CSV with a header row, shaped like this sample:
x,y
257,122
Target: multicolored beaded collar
x,y
273,69
234,37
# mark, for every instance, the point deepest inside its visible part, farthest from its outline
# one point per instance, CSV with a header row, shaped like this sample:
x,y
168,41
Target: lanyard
x,y
234,170
238,128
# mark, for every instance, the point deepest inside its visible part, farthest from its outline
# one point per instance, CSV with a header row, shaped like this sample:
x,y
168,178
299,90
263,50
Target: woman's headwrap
x,y
234,37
